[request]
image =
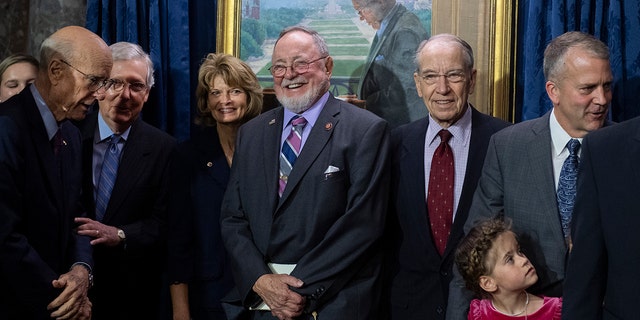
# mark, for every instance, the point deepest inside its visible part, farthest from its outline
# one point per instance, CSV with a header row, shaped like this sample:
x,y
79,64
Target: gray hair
x,y
123,51
556,51
321,44
446,37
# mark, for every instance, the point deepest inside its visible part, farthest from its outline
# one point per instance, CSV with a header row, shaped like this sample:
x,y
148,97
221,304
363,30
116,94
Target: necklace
x,y
526,304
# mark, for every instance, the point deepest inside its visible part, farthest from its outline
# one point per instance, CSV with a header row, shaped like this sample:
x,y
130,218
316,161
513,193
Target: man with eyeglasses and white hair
x,y
306,202
429,210
125,189
45,268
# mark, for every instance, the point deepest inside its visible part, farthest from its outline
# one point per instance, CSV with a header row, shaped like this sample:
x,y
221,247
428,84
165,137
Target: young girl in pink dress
x,y
494,268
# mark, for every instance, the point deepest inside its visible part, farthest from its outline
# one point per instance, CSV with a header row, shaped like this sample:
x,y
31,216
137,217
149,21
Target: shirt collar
x,y
459,130
385,22
50,123
559,137
104,132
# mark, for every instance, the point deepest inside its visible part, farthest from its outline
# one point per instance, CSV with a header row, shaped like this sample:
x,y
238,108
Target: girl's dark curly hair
x,y
471,254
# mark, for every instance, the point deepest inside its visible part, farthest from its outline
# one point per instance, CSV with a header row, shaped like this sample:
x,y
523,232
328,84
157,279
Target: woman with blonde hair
x,y
228,95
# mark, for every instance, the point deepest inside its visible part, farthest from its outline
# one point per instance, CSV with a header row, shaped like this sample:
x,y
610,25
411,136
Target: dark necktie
x,y
290,150
107,176
440,193
567,186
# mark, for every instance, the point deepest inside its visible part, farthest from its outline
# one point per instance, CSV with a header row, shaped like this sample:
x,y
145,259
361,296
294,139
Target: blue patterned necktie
x,y
567,186
290,150
107,176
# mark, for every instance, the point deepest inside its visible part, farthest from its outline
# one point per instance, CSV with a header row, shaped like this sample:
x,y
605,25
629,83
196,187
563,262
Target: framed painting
x,y
248,29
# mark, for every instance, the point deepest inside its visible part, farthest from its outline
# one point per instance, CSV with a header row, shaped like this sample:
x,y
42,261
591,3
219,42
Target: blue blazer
x,y
420,281
37,208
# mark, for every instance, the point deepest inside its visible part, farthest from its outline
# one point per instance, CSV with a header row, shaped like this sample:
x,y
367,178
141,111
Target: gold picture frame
x,y
470,19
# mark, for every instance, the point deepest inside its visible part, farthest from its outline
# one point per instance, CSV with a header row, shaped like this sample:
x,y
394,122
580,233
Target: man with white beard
x,y
307,198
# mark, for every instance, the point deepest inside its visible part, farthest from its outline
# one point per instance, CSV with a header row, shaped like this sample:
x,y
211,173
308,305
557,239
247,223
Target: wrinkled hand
x,y
274,291
101,233
72,303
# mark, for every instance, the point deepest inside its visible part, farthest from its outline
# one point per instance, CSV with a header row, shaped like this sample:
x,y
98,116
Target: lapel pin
x,y
209,164
272,121
328,126
64,142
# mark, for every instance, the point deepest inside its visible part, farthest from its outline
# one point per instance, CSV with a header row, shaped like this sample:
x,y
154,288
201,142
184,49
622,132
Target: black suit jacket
x,y
130,275
328,223
37,208
196,252
601,281
420,284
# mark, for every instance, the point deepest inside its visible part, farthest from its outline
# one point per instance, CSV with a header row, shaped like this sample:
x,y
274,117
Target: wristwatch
x,y
121,235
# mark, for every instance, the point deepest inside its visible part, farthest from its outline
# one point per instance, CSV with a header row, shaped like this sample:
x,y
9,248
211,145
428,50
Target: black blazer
x,y
420,283
130,275
37,208
601,280
196,252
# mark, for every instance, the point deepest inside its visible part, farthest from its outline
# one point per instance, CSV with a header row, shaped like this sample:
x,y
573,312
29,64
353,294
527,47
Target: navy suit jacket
x,y
387,82
602,273
131,274
37,208
420,284
196,252
328,224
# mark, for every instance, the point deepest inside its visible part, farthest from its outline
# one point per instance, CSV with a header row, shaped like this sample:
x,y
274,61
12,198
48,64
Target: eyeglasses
x,y
118,85
231,92
300,67
95,83
451,77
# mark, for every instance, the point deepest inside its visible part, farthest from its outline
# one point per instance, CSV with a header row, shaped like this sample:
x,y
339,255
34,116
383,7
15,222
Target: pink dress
x,y
483,310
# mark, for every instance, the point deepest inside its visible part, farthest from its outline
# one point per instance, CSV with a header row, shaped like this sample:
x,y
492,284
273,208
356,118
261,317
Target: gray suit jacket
x,y
329,224
517,179
387,78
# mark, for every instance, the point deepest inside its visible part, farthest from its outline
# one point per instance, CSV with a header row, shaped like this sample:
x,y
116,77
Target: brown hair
x,y
471,254
236,73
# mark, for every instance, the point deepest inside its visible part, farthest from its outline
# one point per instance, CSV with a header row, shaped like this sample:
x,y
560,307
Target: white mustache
x,y
296,80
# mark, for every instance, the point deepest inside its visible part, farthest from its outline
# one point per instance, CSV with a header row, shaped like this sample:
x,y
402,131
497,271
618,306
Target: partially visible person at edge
x,y
303,233
386,83
16,72
521,174
127,216
228,95
444,78
45,268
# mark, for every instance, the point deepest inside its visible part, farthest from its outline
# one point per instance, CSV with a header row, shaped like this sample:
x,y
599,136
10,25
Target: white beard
x,y
301,104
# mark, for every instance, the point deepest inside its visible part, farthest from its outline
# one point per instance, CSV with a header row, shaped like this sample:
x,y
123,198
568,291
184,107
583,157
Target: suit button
x,y
439,310
444,273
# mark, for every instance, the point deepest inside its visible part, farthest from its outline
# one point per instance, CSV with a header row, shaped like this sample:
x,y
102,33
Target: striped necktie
x,y
107,176
290,150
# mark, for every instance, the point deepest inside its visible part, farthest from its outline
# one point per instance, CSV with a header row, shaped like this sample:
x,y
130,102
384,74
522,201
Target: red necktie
x,y
440,195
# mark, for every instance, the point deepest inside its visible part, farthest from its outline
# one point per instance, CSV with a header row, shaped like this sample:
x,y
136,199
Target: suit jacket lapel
x,y
316,142
132,162
539,155
270,155
43,147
